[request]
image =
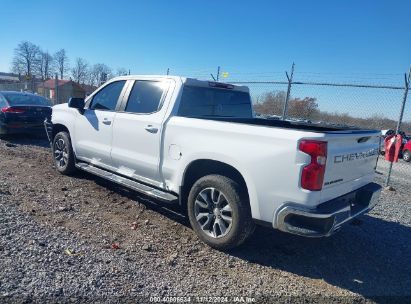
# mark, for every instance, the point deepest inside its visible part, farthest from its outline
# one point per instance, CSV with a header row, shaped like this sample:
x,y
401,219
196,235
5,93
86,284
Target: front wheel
x,y
219,212
3,133
63,153
406,156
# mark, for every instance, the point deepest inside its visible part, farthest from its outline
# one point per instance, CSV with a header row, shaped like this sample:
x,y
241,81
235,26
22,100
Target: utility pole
x,y
287,96
397,130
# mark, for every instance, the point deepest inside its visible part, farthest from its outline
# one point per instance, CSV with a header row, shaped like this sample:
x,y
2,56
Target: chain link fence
x,y
18,86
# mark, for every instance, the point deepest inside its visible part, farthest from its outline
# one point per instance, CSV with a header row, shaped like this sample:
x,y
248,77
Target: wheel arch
x,y
202,167
59,128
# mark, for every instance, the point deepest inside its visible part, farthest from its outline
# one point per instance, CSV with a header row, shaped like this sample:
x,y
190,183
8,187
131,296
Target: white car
x,y
197,143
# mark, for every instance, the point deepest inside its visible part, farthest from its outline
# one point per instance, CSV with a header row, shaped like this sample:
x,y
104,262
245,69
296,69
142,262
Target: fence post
x,y
218,74
397,130
287,96
56,90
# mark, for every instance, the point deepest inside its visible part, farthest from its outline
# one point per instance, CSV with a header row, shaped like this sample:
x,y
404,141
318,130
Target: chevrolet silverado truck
x,y
198,144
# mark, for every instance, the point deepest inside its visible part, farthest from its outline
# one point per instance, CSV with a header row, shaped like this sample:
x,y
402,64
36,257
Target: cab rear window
x,y
214,102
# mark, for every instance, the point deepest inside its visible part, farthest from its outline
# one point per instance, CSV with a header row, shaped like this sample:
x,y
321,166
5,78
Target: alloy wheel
x,y
60,152
213,212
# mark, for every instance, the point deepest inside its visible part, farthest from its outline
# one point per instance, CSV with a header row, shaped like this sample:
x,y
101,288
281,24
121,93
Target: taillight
x,y
12,110
312,177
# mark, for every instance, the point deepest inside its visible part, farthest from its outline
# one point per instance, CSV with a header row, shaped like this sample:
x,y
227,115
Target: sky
x,y
362,41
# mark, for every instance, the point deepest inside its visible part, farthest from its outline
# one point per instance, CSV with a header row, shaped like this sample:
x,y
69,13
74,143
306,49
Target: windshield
x,y
20,99
215,102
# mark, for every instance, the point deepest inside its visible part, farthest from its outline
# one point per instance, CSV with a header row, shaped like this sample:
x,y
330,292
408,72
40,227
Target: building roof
x,y
9,77
9,74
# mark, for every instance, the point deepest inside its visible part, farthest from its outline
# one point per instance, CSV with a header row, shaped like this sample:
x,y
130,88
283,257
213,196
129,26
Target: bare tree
x,y
25,58
61,62
93,76
121,72
99,73
44,66
80,70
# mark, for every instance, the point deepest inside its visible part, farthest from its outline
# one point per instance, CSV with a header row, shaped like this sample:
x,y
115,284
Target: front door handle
x,y
106,121
151,129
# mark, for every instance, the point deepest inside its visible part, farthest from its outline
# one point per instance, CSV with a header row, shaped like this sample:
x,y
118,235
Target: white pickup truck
x,y
196,143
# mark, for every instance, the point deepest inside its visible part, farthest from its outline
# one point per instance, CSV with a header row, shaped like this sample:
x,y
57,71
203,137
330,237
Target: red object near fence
x,y
392,145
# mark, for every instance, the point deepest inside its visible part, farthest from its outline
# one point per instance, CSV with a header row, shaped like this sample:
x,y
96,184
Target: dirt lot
x,y
57,235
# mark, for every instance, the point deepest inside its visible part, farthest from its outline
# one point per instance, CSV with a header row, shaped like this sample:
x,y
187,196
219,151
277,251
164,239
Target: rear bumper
x,y
21,128
327,217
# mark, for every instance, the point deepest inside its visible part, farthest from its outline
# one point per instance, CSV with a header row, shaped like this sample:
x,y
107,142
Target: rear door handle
x,y
151,129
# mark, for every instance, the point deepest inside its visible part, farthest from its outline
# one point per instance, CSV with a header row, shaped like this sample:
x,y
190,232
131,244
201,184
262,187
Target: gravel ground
x,y
81,239
401,171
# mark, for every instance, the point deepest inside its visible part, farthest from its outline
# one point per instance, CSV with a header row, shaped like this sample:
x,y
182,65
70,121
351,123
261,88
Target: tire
x,y
406,156
63,154
209,215
3,133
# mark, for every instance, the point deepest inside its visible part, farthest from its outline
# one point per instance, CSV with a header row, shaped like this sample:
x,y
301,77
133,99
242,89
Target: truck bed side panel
x,y
266,157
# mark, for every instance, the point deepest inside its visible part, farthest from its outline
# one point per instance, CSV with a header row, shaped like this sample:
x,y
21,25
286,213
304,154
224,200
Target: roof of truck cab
x,y
147,77
185,80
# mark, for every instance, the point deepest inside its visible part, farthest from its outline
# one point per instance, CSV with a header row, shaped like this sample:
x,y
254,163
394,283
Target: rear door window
x,y
106,99
145,97
206,102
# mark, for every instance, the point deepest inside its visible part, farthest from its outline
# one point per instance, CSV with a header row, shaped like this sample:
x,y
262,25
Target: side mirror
x,y
77,103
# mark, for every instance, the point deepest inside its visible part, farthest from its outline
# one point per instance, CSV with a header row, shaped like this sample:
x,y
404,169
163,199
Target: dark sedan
x,y
22,112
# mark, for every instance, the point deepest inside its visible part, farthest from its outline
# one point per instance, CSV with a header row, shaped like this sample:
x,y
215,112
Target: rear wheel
x,y
406,156
219,212
63,153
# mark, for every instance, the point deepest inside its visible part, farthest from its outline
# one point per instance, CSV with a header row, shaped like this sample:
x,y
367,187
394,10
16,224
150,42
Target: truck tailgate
x,y
351,160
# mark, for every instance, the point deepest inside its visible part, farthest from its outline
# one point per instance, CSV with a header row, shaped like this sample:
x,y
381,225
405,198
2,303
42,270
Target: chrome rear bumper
x,y
327,217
